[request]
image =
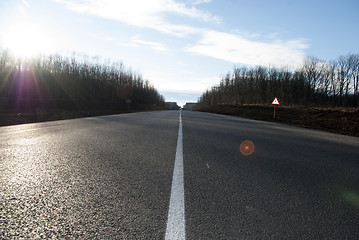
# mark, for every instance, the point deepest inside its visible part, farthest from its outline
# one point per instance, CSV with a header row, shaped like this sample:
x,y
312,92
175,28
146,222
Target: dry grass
x,y
338,120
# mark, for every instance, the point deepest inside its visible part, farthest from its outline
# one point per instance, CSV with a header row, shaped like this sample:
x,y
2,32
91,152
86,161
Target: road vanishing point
x,y
176,175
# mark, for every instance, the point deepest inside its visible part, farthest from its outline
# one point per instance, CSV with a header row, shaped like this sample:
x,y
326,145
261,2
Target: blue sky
x,y
184,47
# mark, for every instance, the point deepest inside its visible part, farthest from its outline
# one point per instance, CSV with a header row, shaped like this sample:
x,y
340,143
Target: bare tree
x,y
69,83
354,75
316,83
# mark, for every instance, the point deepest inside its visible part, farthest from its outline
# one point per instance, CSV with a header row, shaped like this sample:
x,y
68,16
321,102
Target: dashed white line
x,y
176,213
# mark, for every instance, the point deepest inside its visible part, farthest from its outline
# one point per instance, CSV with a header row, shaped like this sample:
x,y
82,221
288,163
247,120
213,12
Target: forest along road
x,y
111,178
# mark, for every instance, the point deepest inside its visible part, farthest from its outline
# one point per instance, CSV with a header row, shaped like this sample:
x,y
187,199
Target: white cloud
x,y
196,2
237,49
205,82
26,3
154,45
136,42
182,83
142,13
181,9
127,44
105,38
176,30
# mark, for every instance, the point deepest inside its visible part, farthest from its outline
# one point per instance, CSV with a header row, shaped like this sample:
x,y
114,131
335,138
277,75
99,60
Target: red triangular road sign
x,y
275,102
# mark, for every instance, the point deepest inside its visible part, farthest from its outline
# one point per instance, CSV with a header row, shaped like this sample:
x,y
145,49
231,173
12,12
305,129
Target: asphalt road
x,y
298,183
110,178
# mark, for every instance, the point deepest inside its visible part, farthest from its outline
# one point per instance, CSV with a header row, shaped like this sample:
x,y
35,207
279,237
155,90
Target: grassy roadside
x,y
7,119
337,120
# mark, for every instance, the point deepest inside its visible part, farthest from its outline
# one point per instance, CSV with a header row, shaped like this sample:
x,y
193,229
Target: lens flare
x,y
247,147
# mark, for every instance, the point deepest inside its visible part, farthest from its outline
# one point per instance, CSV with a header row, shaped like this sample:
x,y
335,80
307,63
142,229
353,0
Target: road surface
x,y
112,177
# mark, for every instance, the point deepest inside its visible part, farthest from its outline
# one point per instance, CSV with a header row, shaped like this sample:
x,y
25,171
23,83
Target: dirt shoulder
x,y
337,120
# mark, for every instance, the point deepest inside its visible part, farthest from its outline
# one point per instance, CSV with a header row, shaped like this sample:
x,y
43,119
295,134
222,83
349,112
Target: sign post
x,y
275,103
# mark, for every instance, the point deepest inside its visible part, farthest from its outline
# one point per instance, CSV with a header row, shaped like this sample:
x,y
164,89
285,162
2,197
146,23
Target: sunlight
x,y
27,40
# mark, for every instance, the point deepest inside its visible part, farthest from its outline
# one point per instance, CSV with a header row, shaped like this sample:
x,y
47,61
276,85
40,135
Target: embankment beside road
x,y
338,120
44,115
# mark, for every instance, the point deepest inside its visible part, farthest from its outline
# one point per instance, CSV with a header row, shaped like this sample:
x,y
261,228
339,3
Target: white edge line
x,y
176,212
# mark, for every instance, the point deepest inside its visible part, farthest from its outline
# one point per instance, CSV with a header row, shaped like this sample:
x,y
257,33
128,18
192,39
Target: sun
x,y
27,40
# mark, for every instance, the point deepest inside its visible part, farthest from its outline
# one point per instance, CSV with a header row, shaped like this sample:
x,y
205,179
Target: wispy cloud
x,y
237,49
196,2
142,13
178,84
136,42
154,45
105,38
26,3
182,9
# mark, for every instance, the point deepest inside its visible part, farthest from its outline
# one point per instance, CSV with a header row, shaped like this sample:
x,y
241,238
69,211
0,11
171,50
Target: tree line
x,y
74,82
315,83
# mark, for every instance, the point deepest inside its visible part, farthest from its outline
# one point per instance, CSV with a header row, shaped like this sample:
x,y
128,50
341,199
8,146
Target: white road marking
x,y
207,165
176,214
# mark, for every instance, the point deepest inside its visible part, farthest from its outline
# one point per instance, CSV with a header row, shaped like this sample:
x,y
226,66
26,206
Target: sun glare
x,y
27,40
